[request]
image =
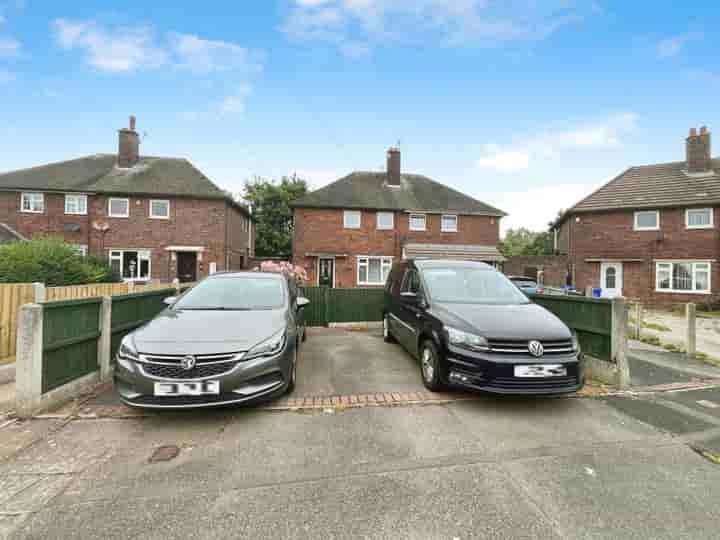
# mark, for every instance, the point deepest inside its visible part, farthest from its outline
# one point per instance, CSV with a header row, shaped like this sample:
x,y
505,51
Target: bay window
x,y
373,270
131,264
682,277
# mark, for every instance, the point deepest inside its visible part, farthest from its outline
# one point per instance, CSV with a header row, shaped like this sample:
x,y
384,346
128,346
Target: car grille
x,y
550,347
533,384
170,367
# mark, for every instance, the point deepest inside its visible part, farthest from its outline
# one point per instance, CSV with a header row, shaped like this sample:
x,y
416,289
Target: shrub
x,y
50,261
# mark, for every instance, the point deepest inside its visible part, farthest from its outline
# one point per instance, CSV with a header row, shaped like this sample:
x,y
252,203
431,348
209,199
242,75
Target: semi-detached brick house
x,y
152,217
652,232
348,233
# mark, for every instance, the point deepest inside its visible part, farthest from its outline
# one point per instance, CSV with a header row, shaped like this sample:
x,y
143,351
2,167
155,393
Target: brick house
x,y
651,233
348,233
151,217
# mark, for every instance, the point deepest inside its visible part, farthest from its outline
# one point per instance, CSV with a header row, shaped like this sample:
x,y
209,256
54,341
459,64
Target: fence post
x,y
131,287
690,336
176,285
638,320
28,363
104,341
39,291
619,342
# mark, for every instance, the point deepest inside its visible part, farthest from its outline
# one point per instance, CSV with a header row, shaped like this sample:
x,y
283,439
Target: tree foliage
x,y
50,261
525,242
273,216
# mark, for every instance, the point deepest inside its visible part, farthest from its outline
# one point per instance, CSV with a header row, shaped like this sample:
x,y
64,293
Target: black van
x,y
471,327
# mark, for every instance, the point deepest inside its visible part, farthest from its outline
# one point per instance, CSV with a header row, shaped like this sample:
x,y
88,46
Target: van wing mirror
x,y
170,300
302,302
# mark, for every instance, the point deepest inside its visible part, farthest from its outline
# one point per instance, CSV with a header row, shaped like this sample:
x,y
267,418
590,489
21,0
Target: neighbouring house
x,y
549,270
651,233
349,233
151,217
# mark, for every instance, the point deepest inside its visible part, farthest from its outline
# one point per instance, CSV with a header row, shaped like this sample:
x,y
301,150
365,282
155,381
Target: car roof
x,y
450,263
225,275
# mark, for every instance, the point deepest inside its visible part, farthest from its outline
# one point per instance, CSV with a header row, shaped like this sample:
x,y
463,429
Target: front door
x,y
326,273
187,266
611,279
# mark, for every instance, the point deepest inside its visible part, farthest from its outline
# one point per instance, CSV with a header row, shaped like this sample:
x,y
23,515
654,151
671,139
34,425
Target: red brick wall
x,y
554,267
193,222
322,231
610,235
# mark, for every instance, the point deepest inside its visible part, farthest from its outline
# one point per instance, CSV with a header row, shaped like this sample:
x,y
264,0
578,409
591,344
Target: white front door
x,y
611,279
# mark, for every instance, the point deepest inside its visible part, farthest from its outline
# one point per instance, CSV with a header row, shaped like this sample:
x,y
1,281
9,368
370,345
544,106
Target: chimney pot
x,y
698,151
703,130
693,132
132,123
393,166
128,146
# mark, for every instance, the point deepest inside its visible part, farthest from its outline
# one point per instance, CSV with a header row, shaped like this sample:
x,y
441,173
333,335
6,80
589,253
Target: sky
x,y
527,105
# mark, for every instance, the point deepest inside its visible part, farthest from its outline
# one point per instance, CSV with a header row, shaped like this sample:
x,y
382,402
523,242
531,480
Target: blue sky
x,y
527,105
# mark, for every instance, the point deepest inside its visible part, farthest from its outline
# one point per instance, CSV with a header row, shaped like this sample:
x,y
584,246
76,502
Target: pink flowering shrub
x,y
298,272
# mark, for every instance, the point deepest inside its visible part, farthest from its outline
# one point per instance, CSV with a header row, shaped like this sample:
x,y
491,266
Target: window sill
x,y
452,232
417,230
682,292
359,284
646,230
32,211
120,217
76,213
691,227
160,217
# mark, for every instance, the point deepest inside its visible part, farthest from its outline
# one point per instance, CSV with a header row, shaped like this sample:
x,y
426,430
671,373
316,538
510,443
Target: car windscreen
x,y
232,293
469,285
524,283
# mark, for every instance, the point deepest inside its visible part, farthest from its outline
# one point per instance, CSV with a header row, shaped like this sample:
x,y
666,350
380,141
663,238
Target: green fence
x,y
71,329
591,318
132,310
342,305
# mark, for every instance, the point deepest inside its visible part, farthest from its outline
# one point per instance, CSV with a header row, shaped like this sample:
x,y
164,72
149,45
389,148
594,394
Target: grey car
x,y
233,338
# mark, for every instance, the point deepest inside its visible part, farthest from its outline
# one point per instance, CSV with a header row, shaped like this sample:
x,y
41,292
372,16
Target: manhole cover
x,y
164,453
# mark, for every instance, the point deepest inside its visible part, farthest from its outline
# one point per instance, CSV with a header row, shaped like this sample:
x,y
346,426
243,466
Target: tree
x,y
272,213
50,261
525,242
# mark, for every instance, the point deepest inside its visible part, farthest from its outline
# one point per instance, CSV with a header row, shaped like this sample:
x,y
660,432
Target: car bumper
x,y
247,382
496,373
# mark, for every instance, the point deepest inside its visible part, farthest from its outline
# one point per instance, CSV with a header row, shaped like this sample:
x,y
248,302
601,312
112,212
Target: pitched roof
x,y
452,251
99,174
369,190
654,186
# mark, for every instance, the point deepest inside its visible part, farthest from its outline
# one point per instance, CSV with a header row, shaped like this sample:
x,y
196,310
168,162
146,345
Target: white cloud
x,y
9,47
6,77
529,151
382,21
115,50
235,103
2,19
667,48
205,56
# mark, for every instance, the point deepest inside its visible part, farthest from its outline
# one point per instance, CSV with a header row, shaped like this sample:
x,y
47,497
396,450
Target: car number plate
x,y
541,370
199,388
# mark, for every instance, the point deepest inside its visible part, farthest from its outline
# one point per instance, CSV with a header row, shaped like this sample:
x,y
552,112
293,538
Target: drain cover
x,y
164,453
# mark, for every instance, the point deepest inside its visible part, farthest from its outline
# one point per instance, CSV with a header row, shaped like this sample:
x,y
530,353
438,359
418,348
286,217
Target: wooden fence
x,y
12,296
342,305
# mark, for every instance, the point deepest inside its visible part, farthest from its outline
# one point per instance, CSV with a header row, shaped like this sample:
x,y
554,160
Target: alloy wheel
x,y
428,364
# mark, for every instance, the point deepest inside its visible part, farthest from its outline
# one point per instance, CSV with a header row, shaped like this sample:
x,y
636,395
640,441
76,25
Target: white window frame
x,y
392,221
694,271
81,249
78,198
635,220
708,226
410,222
110,201
154,216
364,261
30,195
442,223
347,214
117,254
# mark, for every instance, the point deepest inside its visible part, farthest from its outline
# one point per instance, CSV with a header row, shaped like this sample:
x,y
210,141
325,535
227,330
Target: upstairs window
x,y
351,219
449,223
159,209
33,203
385,221
417,222
119,208
76,204
699,218
647,220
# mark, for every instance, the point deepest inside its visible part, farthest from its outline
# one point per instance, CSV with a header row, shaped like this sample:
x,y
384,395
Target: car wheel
x,y
304,336
387,336
431,367
293,372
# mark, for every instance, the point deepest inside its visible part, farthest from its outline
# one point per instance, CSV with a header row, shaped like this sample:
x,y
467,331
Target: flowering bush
x,y
284,267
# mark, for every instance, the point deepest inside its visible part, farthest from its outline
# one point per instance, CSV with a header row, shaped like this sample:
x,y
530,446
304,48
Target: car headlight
x,y
458,338
126,355
575,342
270,347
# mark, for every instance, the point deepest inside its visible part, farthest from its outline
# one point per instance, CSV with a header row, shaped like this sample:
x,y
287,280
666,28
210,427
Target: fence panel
x,y
70,340
91,290
355,305
12,296
132,310
591,318
316,313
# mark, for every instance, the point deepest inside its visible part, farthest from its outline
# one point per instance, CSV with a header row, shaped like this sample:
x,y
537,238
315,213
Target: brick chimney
x,y
393,166
128,146
697,148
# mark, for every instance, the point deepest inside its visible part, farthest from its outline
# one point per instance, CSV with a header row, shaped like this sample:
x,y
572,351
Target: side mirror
x,y
170,300
302,302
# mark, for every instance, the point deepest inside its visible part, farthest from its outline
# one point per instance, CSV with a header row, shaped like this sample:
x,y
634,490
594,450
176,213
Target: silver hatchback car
x,y
233,338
